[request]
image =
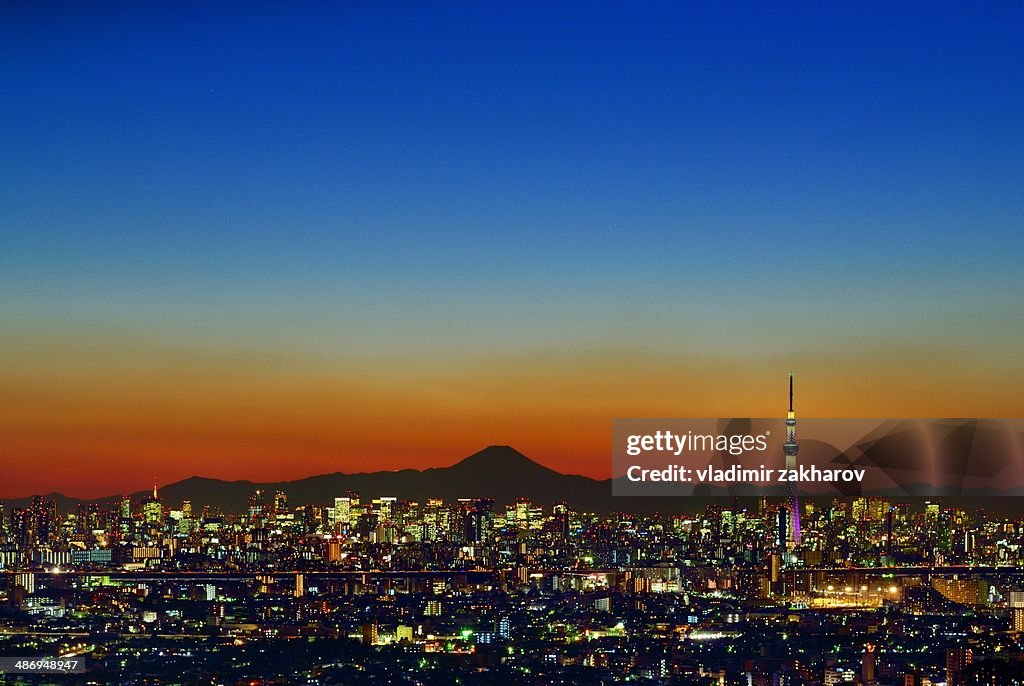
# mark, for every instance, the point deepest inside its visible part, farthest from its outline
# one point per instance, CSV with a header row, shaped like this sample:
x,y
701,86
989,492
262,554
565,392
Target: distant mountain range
x,y
498,471
504,474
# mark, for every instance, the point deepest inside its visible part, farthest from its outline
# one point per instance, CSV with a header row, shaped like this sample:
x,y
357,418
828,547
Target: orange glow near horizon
x,y
110,426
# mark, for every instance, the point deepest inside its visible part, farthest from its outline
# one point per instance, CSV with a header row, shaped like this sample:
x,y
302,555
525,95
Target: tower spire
x,y
154,487
791,448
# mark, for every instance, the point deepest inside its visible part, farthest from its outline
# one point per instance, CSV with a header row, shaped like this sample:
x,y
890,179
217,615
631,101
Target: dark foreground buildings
x,y
386,591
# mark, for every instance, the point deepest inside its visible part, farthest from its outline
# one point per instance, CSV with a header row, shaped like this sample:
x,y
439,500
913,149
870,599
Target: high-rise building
x,y
522,513
35,524
561,513
124,517
21,527
867,665
153,509
257,507
385,508
342,513
783,528
1017,611
478,519
88,517
957,661
890,517
435,524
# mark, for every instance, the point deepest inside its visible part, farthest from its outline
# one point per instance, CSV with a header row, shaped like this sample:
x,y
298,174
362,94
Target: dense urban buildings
x,y
383,590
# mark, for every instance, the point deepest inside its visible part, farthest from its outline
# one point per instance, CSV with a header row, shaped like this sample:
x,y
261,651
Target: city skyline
x,y
966,460
421,344
877,593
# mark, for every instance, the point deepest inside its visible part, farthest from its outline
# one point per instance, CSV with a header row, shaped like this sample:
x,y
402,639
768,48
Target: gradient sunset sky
x,y
269,242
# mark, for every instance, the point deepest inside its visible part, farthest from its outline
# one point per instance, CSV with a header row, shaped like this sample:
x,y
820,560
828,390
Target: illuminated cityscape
x,y
272,272
370,588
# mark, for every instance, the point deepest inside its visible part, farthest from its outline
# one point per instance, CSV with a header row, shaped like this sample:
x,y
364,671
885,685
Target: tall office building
x,y
21,527
153,509
561,514
782,530
342,513
478,520
88,517
43,516
257,507
435,520
1017,611
957,661
386,509
124,517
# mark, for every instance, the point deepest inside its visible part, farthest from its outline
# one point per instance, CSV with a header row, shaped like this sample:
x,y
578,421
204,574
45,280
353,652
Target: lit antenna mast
x,y
791,448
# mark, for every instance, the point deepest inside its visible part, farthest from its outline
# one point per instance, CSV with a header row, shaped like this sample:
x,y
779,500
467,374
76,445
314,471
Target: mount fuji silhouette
x,y
498,471
504,474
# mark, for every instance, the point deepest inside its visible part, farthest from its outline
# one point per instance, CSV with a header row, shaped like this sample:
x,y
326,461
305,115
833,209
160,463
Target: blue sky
x,y
459,155
427,181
